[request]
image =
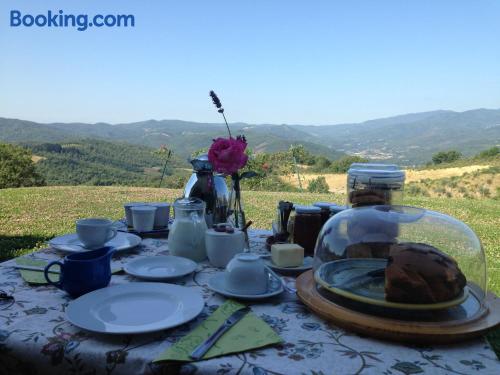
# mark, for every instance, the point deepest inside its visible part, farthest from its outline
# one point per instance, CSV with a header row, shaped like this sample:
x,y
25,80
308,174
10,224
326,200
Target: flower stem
x,y
229,131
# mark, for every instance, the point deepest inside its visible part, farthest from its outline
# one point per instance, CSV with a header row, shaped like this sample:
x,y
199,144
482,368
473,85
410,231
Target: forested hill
x,y
407,139
95,162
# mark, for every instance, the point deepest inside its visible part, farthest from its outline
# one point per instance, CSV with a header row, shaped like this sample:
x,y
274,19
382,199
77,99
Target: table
x,y
35,338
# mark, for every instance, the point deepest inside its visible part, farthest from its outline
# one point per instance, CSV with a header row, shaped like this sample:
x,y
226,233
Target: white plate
x,y
71,244
217,284
135,308
307,264
160,267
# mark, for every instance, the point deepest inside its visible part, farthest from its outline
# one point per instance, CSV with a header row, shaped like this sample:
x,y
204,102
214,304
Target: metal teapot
x,y
209,187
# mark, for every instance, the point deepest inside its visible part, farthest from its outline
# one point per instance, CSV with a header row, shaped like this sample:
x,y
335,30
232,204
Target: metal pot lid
x,y
201,163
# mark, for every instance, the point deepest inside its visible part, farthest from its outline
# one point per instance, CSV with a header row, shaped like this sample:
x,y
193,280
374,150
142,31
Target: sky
x,y
281,61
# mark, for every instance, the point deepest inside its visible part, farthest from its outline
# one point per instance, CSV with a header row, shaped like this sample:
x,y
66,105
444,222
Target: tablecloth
x,y
35,337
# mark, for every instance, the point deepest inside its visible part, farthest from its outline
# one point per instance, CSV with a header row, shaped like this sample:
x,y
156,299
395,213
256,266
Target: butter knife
x,y
33,268
234,318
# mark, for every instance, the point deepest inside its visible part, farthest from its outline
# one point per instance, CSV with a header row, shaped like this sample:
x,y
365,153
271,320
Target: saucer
x,y
217,284
160,267
306,265
71,244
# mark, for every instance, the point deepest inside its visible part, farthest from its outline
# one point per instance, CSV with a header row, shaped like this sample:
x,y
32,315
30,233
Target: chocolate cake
x,y
420,273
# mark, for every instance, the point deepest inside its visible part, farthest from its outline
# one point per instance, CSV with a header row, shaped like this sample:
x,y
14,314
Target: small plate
x,y
333,274
135,308
217,284
160,267
71,244
306,265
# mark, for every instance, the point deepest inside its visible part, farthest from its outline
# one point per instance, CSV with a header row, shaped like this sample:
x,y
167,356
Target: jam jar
x,y
374,184
304,226
325,210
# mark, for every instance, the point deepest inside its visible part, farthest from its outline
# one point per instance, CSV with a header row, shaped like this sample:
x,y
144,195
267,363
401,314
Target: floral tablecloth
x,y
35,338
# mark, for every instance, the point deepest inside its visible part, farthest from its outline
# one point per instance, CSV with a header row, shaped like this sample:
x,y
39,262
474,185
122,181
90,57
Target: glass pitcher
x,y
187,235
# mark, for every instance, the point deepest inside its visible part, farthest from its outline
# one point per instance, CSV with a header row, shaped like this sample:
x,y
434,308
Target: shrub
x,y
446,157
16,168
413,189
318,185
484,191
342,165
489,153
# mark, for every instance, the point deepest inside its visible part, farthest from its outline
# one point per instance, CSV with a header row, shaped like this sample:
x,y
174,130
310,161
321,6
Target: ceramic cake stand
x,y
465,321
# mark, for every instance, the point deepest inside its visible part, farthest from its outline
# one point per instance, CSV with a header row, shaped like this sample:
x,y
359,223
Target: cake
x,y
420,273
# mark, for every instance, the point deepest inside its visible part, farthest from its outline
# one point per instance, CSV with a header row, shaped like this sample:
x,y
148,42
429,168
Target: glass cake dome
x,y
401,257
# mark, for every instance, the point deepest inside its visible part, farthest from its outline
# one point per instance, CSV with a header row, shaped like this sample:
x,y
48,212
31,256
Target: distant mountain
x,y
412,139
406,139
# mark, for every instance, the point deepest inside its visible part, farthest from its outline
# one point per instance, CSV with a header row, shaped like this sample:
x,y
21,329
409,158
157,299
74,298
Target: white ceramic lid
x,y
143,209
213,232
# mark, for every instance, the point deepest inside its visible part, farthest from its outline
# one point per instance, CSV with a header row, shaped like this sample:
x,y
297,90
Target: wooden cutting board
x,y
390,324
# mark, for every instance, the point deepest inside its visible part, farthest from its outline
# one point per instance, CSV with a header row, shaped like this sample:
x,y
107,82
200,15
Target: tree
x,y
318,185
301,154
489,153
17,168
342,165
446,156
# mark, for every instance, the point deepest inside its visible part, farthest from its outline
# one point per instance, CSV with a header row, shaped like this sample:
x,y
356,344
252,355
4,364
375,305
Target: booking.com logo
x,y
80,21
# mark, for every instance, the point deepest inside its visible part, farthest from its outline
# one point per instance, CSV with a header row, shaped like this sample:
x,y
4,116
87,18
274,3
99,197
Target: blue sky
x,y
282,61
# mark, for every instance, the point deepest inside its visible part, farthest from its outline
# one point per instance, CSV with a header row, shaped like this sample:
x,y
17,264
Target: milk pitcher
x,y
187,234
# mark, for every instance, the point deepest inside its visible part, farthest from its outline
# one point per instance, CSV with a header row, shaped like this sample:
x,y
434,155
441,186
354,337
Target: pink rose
x,y
227,155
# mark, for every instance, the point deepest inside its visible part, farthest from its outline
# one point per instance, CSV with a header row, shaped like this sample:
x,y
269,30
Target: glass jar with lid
x,y
325,210
374,184
304,226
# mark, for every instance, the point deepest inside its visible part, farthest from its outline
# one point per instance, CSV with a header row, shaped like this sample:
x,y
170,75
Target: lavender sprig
x,y
218,105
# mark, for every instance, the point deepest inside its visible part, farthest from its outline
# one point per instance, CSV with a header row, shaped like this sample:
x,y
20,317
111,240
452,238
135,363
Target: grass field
x,y
336,181
31,216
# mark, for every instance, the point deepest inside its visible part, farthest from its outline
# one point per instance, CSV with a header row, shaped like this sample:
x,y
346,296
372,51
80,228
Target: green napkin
x,y
37,277
250,332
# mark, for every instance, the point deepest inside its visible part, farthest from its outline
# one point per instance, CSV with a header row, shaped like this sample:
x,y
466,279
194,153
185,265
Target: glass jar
x,y
187,235
304,226
325,210
335,209
374,184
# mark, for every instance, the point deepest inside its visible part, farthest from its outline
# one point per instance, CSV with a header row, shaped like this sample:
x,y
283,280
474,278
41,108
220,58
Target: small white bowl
x,y
246,274
223,246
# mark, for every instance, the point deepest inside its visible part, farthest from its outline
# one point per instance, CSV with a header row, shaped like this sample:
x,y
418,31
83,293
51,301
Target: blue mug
x,y
83,272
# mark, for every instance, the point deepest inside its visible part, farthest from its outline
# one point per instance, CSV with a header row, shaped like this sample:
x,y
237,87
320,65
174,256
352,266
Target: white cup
x,y
143,218
162,214
95,232
128,212
223,246
246,274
